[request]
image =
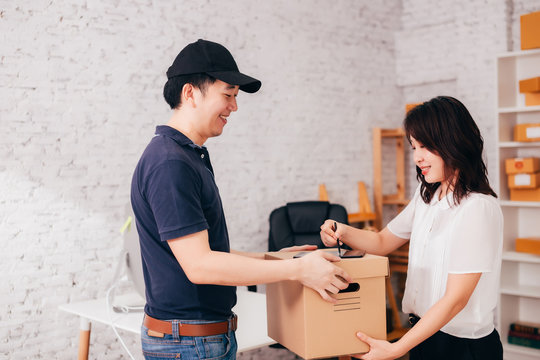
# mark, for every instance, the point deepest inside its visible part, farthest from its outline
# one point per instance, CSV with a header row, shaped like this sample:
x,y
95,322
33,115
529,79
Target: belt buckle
x,y
232,323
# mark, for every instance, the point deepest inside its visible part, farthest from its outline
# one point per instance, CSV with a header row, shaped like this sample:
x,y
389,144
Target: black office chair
x,y
299,223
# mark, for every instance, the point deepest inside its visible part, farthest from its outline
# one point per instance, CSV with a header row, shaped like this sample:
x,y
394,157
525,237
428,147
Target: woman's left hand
x,y
300,248
378,349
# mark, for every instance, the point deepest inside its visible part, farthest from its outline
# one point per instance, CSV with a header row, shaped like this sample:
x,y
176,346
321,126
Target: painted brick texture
x,y
80,96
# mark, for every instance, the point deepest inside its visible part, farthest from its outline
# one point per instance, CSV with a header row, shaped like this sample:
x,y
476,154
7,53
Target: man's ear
x,y
188,94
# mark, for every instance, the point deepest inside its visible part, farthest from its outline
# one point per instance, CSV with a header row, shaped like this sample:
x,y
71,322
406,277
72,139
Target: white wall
x,y
449,48
80,95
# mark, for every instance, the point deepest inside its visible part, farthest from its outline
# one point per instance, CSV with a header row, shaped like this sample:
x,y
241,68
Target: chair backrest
x,y
299,223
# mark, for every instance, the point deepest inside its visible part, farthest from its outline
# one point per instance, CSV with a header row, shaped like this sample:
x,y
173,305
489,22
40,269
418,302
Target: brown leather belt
x,y
160,327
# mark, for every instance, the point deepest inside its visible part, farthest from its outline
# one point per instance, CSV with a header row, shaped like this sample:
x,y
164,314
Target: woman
x,y
454,226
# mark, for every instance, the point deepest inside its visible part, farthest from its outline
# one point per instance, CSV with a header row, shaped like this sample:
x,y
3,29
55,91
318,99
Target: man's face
x,y
214,107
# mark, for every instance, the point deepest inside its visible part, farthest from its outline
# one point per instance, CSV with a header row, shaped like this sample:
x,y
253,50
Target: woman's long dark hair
x,y
445,127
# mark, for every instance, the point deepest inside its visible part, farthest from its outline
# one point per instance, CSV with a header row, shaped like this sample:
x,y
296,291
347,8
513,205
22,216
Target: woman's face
x,y
431,164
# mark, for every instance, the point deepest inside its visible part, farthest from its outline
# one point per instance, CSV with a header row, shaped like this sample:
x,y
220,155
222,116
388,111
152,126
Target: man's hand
x,y
318,273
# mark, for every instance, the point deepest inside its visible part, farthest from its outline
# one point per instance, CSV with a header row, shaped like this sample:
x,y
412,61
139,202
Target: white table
x,y
250,308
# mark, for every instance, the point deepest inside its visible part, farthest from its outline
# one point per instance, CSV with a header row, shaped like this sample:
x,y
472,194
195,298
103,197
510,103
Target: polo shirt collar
x,y
176,135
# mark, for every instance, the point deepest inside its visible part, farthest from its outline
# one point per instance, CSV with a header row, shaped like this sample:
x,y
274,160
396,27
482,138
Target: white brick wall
x,y
449,48
80,95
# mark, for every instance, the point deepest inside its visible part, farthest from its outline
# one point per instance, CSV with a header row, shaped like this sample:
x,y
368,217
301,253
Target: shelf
x,y
511,110
516,349
519,53
509,203
521,290
516,144
521,257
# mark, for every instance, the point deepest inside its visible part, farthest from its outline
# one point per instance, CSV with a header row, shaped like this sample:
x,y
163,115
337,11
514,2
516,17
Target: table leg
x,y
84,338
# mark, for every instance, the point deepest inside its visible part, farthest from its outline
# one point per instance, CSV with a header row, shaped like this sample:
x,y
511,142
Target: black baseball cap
x,y
211,58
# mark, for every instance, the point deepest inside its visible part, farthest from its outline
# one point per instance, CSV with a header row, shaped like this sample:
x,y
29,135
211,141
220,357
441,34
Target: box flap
x,y
364,267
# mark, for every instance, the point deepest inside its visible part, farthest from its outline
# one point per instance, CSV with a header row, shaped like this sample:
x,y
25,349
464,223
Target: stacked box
x,y
527,132
528,245
530,30
531,89
523,178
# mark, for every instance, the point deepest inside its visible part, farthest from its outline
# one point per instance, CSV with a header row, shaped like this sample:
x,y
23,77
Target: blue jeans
x,y
222,347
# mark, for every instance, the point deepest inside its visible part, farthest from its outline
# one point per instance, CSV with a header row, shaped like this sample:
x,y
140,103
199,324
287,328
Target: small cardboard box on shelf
x,y
522,165
531,89
524,181
525,194
527,132
528,245
530,30
529,85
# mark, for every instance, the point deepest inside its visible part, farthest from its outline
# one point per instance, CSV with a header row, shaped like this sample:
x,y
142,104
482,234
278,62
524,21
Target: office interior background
x,y
81,93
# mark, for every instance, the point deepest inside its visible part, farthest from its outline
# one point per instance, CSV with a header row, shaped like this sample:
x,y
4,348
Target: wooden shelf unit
x,y
397,198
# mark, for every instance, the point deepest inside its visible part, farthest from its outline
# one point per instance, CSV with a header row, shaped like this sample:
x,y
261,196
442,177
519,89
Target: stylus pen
x,y
338,245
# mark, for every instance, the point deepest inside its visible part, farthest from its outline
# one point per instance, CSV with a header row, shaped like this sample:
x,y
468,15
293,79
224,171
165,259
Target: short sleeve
x,y
476,236
402,224
174,194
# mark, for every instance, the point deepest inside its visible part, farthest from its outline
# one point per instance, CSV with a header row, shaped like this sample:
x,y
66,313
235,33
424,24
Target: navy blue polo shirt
x,y
173,194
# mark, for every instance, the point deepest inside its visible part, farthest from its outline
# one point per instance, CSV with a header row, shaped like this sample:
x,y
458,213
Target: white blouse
x,y
453,239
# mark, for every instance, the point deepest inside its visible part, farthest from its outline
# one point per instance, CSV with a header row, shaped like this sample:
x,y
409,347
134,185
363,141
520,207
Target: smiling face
x,y
214,107
431,164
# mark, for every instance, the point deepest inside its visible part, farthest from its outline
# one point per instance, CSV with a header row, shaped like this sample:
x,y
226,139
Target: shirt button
x,y
202,156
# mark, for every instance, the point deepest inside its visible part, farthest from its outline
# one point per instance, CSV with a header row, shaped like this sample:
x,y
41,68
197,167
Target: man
x,y
189,270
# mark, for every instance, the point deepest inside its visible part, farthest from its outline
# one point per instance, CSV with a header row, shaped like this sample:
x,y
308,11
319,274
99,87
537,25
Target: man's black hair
x,y
173,87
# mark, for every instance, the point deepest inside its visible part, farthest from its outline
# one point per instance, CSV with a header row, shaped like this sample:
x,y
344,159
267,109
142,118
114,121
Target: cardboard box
x,y
530,30
525,194
532,99
522,165
524,181
527,132
529,85
409,107
528,245
299,319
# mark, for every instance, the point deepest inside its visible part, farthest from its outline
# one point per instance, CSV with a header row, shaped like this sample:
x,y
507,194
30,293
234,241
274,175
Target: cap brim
x,y
246,83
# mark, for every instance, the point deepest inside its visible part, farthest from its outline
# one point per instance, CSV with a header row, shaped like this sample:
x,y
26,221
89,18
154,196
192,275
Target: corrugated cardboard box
x,y
530,30
531,89
528,245
524,181
299,319
527,132
409,107
529,85
532,99
525,194
522,165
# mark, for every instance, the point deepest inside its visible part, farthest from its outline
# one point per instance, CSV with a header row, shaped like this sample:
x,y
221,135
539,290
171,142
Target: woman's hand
x,y
329,235
378,349
299,248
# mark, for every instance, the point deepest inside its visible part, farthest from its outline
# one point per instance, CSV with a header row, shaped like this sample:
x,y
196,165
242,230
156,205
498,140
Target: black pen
x,y
338,245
